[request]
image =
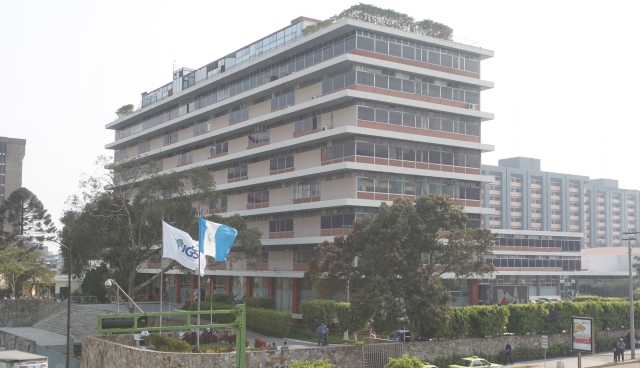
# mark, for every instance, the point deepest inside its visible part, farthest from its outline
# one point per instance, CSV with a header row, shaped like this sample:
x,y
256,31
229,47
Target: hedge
x,y
526,318
317,312
262,302
488,320
265,321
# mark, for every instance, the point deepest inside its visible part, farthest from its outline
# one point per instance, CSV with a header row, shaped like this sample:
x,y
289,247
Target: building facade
x,y
12,152
526,198
305,134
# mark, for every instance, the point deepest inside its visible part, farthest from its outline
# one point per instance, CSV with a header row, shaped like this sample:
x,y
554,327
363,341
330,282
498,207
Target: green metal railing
x,y
240,324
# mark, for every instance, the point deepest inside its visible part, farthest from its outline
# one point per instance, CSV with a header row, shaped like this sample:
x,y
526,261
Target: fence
x,y
84,299
377,355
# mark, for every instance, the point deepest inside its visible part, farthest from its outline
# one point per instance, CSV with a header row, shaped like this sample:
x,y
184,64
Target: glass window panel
x,y
446,60
447,125
350,78
395,84
395,49
473,161
395,117
408,52
409,188
349,149
434,157
289,161
366,113
472,97
365,149
366,43
446,93
337,221
434,123
382,150
308,60
408,120
317,57
382,186
395,186
349,44
408,154
472,65
327,86
408,86
338,151
365,185
338,82
382,81
300,64
447,158
325,222
382,116
327,53
434,58
434,91
338,48
382,47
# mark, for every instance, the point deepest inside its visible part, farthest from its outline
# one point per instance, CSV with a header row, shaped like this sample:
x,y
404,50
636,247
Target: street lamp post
x,y
25,237
632,335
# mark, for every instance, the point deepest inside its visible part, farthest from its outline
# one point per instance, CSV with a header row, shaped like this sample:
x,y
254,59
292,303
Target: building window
x,y
307,125
516,190
171,137
281,163
305,188
258,138
555,183
536,182
201,128
258,197
515,179
302,256
337,221
238,114
283,99
237,172
281,226
144,145
218,148
185,158
264,257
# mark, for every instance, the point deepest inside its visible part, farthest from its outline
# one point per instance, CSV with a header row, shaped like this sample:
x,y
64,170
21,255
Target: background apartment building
x,y
12,152
305,134
526,198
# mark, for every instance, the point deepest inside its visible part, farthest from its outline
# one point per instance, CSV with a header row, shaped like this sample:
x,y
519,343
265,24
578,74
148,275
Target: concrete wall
x,y
106,352
27,312
13,342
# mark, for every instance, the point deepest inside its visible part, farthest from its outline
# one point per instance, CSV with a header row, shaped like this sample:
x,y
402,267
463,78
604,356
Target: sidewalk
x,y
588,360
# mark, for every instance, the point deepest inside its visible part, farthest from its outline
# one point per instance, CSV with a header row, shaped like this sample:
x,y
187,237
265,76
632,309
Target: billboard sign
x,y
583,335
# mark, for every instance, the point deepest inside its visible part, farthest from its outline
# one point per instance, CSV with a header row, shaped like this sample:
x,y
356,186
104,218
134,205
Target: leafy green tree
x,y
93,282
404,362
351,319
19,265
401,255
23,213
122,224
124,110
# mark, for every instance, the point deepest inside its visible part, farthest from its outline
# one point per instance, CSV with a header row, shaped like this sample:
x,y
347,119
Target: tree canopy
x,y
19,265
395,261
118,217
386,17
124,110
21,214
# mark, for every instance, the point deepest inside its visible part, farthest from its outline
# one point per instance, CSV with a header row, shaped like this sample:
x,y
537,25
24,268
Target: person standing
x,y
273,347
507,353
284,346
615,351
621,347
325,335
320,332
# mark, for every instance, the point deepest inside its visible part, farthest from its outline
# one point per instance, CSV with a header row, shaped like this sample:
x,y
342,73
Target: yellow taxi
x,y
474,362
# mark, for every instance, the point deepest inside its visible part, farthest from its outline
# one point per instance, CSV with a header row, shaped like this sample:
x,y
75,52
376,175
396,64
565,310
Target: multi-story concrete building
x,y
526,198
305,134
11,154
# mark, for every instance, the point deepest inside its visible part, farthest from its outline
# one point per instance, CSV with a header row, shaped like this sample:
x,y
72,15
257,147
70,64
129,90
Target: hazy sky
x,y
565,74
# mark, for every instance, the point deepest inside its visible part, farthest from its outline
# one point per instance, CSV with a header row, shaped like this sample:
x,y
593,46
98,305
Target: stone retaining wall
x,y
27,312
13,342
114,352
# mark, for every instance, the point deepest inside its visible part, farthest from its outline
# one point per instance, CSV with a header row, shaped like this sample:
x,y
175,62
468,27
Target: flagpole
x,y
161,292
199,297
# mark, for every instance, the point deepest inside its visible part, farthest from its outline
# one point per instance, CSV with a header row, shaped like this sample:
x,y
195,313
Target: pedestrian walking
x,y
621,347
325,335
507,353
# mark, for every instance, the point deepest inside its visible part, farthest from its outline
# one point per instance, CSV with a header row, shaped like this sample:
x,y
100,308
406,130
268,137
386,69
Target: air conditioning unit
x,y
325,128
471,106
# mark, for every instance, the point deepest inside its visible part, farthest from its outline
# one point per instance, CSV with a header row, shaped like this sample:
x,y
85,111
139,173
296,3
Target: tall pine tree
x,y
23,213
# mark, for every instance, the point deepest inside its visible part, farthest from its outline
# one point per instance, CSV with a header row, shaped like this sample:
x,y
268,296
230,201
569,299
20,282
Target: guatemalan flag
x,y
216,239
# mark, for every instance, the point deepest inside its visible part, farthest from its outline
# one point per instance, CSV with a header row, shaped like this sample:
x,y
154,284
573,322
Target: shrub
x,y
404,362
615,315
221,298
615,288
307,364
459,323
179,346
446,361
587,298
526,318
488,320
269,322
317,312
262,302
220,318
260,344
230,349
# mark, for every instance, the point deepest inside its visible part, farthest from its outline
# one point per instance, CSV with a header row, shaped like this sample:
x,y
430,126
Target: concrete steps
x,y
84,322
